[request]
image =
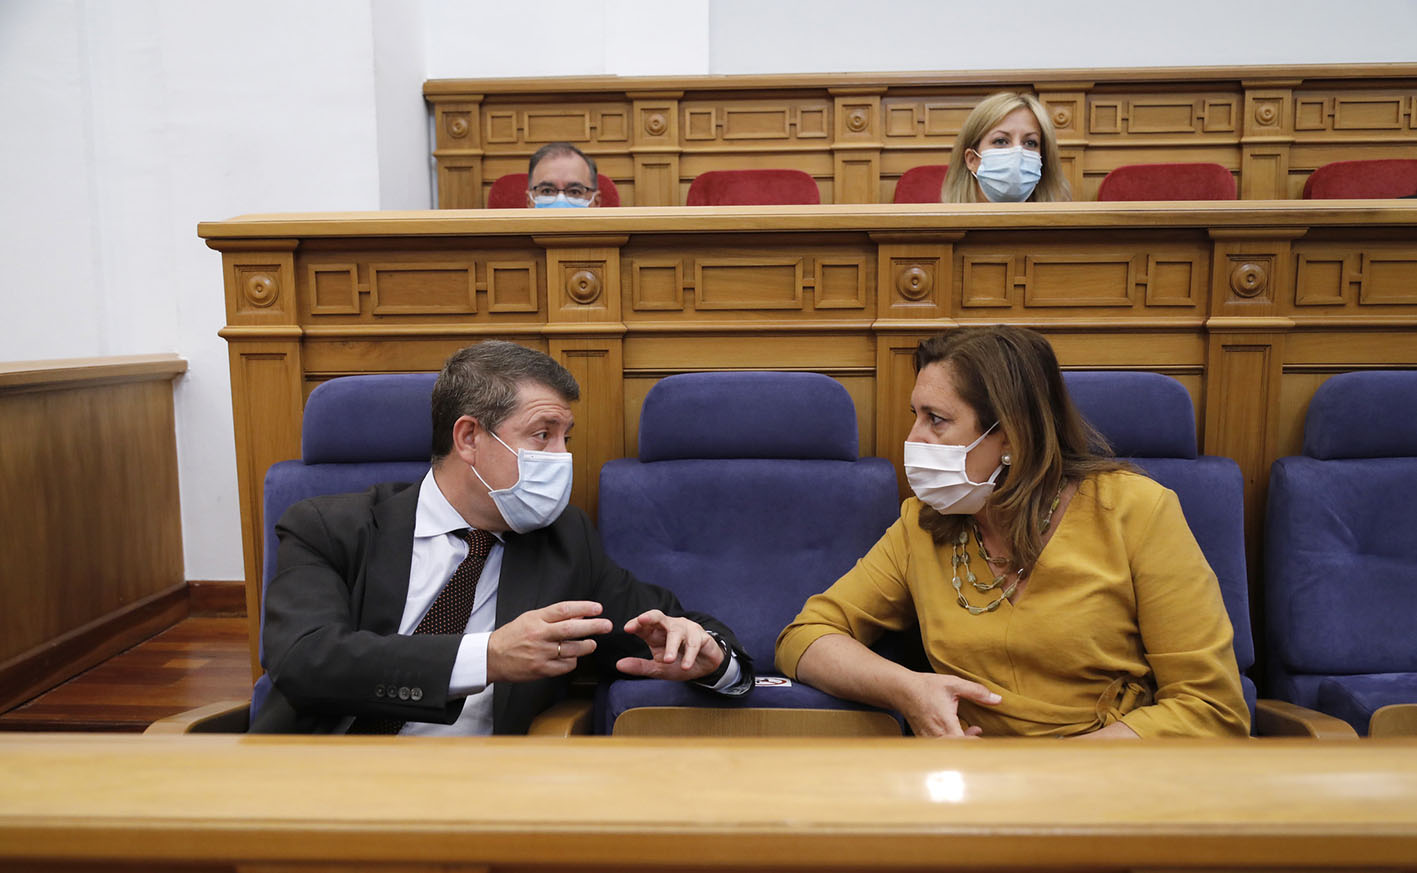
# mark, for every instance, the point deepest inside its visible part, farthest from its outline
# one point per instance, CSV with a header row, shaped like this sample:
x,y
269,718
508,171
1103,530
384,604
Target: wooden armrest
x,y
1279,718
1394,720
222,717
709,721
568,718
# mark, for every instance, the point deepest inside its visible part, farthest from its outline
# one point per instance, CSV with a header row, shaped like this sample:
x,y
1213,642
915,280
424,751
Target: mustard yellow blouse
x,y
1121,618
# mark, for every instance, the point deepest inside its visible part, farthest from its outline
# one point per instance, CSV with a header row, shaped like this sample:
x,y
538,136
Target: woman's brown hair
x,y
1011,375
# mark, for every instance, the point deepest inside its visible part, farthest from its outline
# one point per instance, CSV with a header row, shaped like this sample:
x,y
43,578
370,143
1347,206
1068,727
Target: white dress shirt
x,y
437,552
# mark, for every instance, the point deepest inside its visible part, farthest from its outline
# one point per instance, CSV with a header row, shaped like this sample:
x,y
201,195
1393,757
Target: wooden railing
x,y
268,804
1251,305
91,534
856,134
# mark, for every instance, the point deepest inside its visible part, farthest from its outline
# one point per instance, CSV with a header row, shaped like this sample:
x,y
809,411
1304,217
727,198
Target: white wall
x,y
124,124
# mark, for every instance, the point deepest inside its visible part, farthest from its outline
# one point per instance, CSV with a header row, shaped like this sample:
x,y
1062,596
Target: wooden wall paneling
x,y
599,436
584,330
267,396
656,146
895,379
916,275
1066,103
1252,282
457,150
90,527
856,144
1268,133
1273,125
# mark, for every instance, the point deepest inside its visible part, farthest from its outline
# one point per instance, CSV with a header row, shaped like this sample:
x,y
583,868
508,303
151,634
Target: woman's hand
x,y
932,705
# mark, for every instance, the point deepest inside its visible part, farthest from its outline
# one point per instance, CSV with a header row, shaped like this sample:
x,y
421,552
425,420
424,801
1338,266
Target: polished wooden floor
x,y
197,661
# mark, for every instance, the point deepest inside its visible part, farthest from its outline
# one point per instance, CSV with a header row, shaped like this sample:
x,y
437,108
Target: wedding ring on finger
x,y
558,651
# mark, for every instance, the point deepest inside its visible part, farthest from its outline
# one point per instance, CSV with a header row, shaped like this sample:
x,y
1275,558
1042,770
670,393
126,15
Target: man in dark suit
x,y
364,632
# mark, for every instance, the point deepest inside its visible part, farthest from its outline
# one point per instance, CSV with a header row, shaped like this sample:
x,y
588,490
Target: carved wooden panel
x,y
511,286
422,289
739,121
1171,114
840,283
1372,112
748,283
334,289
531,125
1388,277
657,284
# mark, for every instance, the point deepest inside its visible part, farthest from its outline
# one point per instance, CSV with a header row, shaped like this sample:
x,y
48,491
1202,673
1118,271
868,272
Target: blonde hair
x,y
959,184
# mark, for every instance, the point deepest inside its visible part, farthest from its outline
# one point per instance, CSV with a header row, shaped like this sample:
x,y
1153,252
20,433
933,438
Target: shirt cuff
x,y
731,676
470,666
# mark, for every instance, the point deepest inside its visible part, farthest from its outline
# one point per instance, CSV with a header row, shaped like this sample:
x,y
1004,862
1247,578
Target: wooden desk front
x,y
857,133
406,804
1251,305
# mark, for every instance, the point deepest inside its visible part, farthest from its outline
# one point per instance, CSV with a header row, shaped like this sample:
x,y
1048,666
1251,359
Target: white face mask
x,y
1009,175
937,476
541,492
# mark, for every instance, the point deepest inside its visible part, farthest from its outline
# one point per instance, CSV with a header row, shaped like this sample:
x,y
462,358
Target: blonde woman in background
x,y
1006,152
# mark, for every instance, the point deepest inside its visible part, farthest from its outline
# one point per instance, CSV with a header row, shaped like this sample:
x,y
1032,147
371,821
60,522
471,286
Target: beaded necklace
x,y
959,557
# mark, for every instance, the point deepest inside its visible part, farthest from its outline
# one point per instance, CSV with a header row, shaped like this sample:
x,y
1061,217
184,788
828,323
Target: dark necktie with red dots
x,y
448,615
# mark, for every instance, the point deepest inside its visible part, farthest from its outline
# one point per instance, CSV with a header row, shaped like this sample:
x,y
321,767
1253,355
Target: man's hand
x,y
933,707
679,648
544,642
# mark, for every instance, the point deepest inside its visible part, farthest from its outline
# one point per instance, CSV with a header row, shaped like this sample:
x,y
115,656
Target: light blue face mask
x,y
560,201
1009,175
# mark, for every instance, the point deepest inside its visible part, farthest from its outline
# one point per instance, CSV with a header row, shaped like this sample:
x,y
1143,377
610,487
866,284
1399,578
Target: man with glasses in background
x,y
561,176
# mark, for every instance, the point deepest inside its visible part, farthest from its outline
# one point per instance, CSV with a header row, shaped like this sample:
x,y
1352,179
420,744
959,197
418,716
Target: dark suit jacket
x,y
331,642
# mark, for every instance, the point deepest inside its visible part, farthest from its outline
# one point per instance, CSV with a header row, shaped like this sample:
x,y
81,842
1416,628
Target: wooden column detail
x,y
856,146
267,396
895,379
585,334
1268,132
458,150
1067,109
1251,274
915,275
655,148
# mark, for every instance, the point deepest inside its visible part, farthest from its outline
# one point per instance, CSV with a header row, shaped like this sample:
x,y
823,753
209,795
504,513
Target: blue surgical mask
x,y
541,492
1009,175
560,201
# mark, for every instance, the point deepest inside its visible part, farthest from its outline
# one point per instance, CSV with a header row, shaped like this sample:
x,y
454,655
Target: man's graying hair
x,y
553,149
481,381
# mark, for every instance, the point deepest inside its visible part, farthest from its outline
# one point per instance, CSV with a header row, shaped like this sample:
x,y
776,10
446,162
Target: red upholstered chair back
x,y
1392,177
1201,181
509,192
921,184
752,187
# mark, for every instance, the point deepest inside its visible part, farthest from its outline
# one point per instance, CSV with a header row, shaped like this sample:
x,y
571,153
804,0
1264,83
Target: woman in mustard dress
x,y
1058,591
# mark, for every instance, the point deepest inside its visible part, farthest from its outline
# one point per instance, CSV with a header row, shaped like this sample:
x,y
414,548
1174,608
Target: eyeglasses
x,y
576,193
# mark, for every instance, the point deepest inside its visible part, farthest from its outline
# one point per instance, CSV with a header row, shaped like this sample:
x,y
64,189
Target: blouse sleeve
x,y
1186,634
871,598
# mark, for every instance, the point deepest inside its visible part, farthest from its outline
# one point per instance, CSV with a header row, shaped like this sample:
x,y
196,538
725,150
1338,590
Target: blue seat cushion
x,y
1363,415
1341,565
1355,698
362,419
617,697
803,416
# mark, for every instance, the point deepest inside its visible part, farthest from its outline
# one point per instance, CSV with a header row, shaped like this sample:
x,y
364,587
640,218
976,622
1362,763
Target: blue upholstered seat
x,y
356,432
1340,552
1149,419
747,497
